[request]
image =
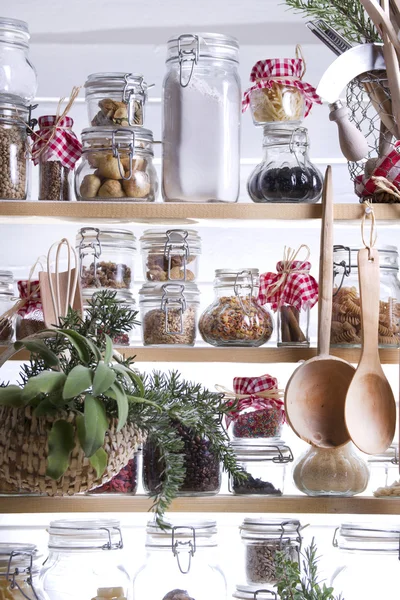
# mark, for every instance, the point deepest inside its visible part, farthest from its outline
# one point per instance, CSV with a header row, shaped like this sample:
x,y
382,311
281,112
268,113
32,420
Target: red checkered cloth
x,y
294,286
56,141
388,167
285,71
29,291
251,386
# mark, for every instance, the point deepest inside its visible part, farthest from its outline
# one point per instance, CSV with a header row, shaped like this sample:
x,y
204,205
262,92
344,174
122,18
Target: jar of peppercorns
x,y
14,158
106,258
203,468
235,318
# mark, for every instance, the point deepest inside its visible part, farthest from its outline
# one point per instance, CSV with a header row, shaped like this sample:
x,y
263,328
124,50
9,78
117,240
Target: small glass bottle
x,y
201,119
181,563
86,560
331,472
6,303
18,571
346,310
286,173
235,318
262,539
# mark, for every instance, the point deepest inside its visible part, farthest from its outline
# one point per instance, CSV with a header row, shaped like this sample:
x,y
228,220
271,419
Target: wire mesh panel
x,y
377,177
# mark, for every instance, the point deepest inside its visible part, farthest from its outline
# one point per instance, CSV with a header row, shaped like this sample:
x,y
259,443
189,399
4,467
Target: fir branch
x,y
348,17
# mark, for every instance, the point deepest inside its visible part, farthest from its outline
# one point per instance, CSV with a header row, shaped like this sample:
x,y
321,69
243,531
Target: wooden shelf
x,y
236,355
212,504
159,211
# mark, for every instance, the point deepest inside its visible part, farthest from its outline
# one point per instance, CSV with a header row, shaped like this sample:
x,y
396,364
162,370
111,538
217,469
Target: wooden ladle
x,y
370,409
315,394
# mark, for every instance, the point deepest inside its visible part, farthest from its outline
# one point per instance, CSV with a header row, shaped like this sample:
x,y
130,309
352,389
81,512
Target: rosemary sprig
x,y
348,17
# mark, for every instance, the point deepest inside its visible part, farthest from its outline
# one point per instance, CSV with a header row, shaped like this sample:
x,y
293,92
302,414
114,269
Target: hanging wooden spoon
x,y
316,392
370,409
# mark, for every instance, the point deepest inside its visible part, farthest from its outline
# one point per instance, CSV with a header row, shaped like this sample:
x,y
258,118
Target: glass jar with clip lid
x,y
18,571
235,318
116,99
117,164
253,592
184,558
286,173
85,561
170,255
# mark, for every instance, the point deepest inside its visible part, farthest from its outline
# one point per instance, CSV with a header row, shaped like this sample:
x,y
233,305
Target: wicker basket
x,y
24,449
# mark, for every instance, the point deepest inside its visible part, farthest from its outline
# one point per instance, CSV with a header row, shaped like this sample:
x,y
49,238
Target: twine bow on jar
x,y
373,235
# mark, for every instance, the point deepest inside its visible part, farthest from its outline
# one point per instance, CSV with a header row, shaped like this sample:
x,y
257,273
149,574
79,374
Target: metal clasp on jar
x,y
189,547
123,145
268,592
178,246
288,540
89,248
190,55
131,88
173,299
299,143
238,287
342,266
12,574
282,457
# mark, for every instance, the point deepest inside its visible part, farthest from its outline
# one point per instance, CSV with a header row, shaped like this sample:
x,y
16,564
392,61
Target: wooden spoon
x,y
316,392
382,21
392,67
370,409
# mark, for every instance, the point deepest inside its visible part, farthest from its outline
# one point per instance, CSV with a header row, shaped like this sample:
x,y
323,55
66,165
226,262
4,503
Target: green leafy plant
x,y
292,584
76,368
348,17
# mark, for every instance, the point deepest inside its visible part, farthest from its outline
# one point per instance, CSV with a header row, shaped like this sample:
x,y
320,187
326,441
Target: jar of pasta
x,y
346,309
235,318
117,164
18,571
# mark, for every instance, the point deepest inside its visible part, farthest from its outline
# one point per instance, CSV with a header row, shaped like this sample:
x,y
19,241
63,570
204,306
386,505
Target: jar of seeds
x,y
56,150
14,161
262,539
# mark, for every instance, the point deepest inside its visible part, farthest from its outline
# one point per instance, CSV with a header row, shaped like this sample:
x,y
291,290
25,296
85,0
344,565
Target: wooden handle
x,y
369,280
326,266
381,21
392,67
352,142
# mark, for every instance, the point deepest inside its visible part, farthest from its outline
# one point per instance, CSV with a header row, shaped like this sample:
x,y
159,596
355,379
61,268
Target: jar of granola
x,y
168,313
106,258
170,255
235,318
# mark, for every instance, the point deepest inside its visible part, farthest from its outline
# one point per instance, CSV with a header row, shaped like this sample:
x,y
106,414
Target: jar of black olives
x,y
286,173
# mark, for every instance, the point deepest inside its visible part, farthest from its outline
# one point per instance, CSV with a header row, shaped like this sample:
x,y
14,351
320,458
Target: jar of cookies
x,y
235,318
115,99
106,258
170,255
346,309
117,164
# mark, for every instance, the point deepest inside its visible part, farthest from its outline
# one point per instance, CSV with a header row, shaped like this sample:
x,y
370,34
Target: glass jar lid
x,y
117,138
242,280
169,293
66,535
96,239
203,532
255,450
6,283
254,592
174,238
18,558
126,83
366,537
14,31
346,256
271,529
192,46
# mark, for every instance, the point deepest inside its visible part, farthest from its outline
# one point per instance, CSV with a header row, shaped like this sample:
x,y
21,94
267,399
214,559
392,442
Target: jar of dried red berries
x,y
235,318
106,259
125,482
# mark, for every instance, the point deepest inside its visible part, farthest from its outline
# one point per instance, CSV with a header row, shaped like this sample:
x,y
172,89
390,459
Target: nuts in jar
x,y
106,274
170,255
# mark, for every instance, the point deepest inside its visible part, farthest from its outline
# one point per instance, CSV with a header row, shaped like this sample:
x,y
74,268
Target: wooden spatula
x,y
370,408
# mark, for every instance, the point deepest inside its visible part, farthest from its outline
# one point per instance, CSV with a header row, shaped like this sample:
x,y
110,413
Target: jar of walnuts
x,y
117,164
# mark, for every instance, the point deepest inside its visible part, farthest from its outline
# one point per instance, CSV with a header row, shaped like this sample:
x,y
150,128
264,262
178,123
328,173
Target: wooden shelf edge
x,y
185,211
235,355
211,504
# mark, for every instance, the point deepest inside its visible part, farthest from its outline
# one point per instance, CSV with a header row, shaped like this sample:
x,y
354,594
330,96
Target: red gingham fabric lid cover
x,y
286,71
251,386
63,145
298,289
31,291
387,166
